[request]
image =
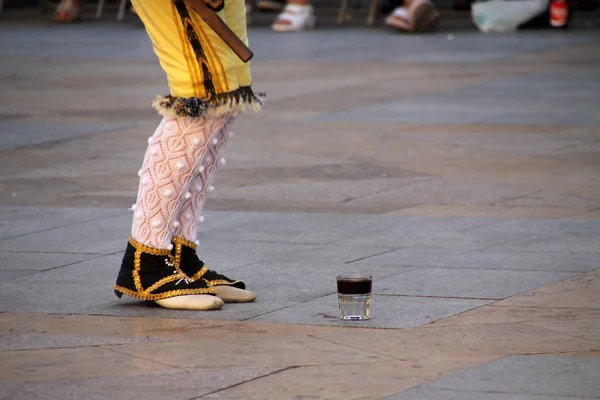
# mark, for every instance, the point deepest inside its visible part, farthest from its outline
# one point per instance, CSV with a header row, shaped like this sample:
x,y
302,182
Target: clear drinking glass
x,y
354,296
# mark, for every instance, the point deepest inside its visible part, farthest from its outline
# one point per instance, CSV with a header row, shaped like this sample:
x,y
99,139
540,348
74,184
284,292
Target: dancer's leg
x,y
174,152
190,212
207,84
190,215
150,269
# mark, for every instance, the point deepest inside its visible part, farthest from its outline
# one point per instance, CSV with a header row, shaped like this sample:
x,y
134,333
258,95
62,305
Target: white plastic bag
x,y
505,16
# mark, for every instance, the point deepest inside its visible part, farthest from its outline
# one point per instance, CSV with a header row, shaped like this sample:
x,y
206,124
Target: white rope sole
x,y
231,294
198,302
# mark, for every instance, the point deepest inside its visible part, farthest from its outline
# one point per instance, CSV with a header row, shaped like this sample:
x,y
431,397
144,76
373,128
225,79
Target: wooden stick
x,y
216,24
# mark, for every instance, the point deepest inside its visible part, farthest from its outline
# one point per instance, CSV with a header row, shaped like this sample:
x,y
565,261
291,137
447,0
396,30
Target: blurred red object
x,y
559,14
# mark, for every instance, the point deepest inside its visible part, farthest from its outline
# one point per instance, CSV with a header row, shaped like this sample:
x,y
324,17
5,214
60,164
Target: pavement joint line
x,y
539,251
508,241
374,255
110,348
439,297
83,313
538,307
59,141
85,346
431,324
390,189
543,396
492,222
247,381
67,265
563,352
283,308
574,273
570,335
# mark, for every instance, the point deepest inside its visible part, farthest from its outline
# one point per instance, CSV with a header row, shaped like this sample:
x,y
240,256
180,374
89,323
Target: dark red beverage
x,y
354,284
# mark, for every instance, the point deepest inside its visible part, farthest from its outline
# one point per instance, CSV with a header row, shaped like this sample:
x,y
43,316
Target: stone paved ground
x,y
460,169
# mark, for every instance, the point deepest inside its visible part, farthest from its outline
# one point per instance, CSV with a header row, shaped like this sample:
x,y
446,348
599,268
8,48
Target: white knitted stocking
x,y
186,225
173,157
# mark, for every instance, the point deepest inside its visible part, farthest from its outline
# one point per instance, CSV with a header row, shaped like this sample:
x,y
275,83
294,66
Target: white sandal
x,y
399,19
296,18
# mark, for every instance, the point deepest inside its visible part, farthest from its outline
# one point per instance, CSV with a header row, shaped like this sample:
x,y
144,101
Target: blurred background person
x,y
299,15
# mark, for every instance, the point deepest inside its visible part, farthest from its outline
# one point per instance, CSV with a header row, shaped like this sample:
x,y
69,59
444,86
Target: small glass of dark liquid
x,y
354,296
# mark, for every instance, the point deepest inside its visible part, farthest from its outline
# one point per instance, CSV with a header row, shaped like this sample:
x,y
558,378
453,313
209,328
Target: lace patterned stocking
x,y
189,217
172,159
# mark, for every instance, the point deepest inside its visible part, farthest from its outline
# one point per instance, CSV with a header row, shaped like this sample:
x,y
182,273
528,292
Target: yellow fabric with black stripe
x,y
203,73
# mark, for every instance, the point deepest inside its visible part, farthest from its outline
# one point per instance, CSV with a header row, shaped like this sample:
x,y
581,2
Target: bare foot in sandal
x,y
414,16
297,15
